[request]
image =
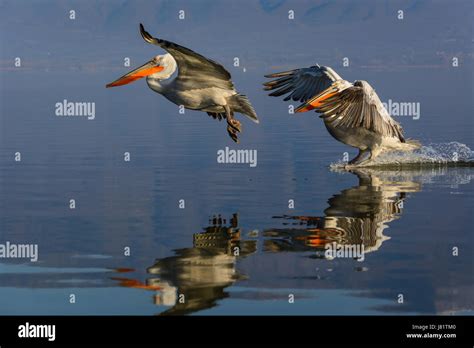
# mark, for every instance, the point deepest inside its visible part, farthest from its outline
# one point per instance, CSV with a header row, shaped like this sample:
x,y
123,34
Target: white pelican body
x,y
209,99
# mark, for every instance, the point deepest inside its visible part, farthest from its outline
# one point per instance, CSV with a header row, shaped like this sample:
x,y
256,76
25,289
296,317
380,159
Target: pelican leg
x,y
233,126
362,157
231,121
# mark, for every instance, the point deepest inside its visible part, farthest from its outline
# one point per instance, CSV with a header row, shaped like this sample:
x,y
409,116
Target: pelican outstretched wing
x,y
353,106
301,84
194,70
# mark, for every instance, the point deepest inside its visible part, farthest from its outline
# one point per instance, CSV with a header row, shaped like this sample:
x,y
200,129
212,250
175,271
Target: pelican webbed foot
x,y
233,134
233,126
236,125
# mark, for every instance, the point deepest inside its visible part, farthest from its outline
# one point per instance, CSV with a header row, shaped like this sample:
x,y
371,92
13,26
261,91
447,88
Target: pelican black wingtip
x,y
145,35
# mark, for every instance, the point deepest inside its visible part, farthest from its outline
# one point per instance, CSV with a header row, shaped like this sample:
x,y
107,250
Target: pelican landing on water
x,y
352,112
187,78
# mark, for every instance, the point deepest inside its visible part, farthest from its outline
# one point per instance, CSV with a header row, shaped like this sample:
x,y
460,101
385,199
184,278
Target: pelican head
x,y
160,67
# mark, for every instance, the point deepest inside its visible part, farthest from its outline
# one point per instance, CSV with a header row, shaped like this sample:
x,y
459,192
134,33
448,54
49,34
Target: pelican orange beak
x,y
317,101
146,69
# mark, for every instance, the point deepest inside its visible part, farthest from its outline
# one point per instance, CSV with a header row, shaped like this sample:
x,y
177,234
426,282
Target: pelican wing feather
x,y
301,84
359,106
194,70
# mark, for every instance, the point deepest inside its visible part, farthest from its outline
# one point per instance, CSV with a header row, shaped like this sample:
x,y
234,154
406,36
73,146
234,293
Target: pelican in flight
x,y
352,112
187,78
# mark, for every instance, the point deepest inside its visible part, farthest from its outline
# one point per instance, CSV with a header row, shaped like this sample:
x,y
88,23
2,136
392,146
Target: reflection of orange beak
x,y
316,241
143,71
135,284
123,270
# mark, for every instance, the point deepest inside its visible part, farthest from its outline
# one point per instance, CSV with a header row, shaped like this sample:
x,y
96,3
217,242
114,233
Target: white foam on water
x,y
442,153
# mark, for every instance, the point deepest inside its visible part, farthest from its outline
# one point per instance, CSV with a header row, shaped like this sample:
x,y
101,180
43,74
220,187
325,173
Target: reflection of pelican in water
x,y
355,216
195,278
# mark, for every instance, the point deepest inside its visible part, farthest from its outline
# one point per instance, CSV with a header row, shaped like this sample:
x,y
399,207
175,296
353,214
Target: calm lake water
x,y
410,222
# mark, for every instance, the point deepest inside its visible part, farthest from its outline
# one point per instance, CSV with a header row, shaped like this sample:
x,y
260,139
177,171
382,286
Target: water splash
x,y
449,154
